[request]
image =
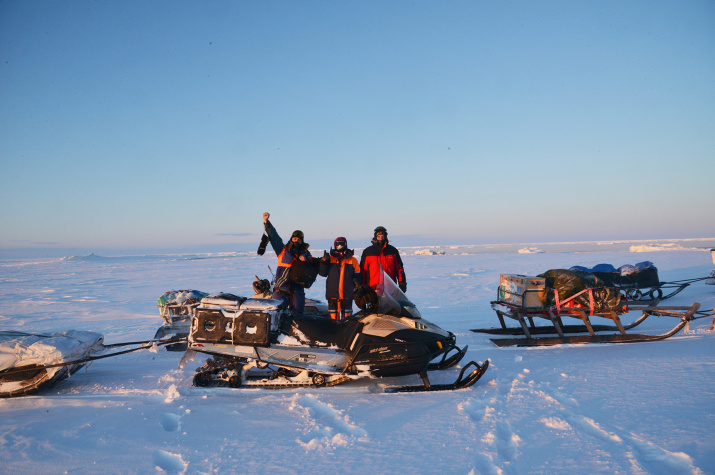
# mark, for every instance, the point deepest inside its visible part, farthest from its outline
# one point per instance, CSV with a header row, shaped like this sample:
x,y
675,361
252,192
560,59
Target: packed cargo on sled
x,y
560,293
638,282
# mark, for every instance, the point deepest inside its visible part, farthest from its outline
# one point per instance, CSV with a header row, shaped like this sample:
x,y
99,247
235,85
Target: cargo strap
x,y
559,303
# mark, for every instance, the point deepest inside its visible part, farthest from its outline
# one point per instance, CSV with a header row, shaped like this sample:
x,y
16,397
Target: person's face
x,y
380,237
296,240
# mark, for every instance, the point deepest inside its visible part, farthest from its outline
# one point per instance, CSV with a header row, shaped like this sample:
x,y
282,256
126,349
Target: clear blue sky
x,y
164,124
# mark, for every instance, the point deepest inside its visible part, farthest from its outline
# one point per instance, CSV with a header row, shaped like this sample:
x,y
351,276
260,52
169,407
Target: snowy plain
x,y
618,408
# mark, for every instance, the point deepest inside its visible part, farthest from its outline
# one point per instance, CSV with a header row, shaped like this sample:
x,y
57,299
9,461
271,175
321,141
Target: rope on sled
x,y
88,359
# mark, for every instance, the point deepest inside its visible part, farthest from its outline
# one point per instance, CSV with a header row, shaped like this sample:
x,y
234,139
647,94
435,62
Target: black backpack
x,y
366,298
304,273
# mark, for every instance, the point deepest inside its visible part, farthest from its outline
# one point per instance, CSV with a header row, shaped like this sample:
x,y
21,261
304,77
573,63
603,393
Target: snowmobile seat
x,y
322,332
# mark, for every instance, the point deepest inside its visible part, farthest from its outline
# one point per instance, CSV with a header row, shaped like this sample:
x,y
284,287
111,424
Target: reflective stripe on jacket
x,y
342,275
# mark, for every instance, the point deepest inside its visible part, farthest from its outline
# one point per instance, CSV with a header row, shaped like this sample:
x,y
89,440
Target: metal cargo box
x,y
248,328
522,290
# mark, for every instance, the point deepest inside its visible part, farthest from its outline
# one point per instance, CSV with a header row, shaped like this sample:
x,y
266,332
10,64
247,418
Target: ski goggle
x,y
339,246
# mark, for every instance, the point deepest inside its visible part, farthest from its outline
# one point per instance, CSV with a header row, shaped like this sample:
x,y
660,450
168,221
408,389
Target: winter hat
x,y
340,244
298,233
380,229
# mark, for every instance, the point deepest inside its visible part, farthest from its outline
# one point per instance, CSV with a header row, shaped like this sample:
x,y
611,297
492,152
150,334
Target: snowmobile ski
x,y
460,383
448,362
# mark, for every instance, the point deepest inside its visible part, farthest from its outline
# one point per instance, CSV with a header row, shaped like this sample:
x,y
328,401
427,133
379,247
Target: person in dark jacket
x,y
343,277
284,289
381,255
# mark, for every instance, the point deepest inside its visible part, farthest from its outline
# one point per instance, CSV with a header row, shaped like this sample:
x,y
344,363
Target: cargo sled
x,y
561,293
32,362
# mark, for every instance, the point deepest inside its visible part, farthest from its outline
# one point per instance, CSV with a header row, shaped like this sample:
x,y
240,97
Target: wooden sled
x,y
568,308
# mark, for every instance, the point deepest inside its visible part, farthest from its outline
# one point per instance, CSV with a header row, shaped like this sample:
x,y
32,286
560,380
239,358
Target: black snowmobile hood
x,y
322,332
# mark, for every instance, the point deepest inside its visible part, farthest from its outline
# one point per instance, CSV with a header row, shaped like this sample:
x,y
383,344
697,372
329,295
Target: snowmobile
x,y
177,307
258,342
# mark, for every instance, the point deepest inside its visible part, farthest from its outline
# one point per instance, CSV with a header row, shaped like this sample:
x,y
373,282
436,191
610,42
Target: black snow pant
x,y
340,308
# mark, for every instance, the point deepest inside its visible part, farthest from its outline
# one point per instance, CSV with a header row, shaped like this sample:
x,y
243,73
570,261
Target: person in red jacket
x,y
381,255
343,277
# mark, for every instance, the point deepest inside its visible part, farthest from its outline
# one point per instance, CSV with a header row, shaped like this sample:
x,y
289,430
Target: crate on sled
x,y
522,290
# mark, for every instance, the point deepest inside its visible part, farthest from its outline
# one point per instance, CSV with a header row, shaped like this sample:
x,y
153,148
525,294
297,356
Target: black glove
x,y
326,256
262,246
403,286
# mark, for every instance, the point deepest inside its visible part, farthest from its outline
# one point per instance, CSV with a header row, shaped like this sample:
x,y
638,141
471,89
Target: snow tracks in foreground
x,y
528,427
323,425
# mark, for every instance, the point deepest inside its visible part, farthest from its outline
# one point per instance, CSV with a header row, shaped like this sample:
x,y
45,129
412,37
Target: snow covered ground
x,y
631,408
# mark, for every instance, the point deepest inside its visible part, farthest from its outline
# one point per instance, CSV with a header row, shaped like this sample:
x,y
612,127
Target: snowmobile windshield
x,y
392,301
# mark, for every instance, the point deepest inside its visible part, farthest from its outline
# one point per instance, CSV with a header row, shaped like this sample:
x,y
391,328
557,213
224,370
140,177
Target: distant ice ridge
x,y
429,252
90,257
530,250
672,246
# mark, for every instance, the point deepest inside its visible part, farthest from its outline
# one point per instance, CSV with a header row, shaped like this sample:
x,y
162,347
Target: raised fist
x,y
265,217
